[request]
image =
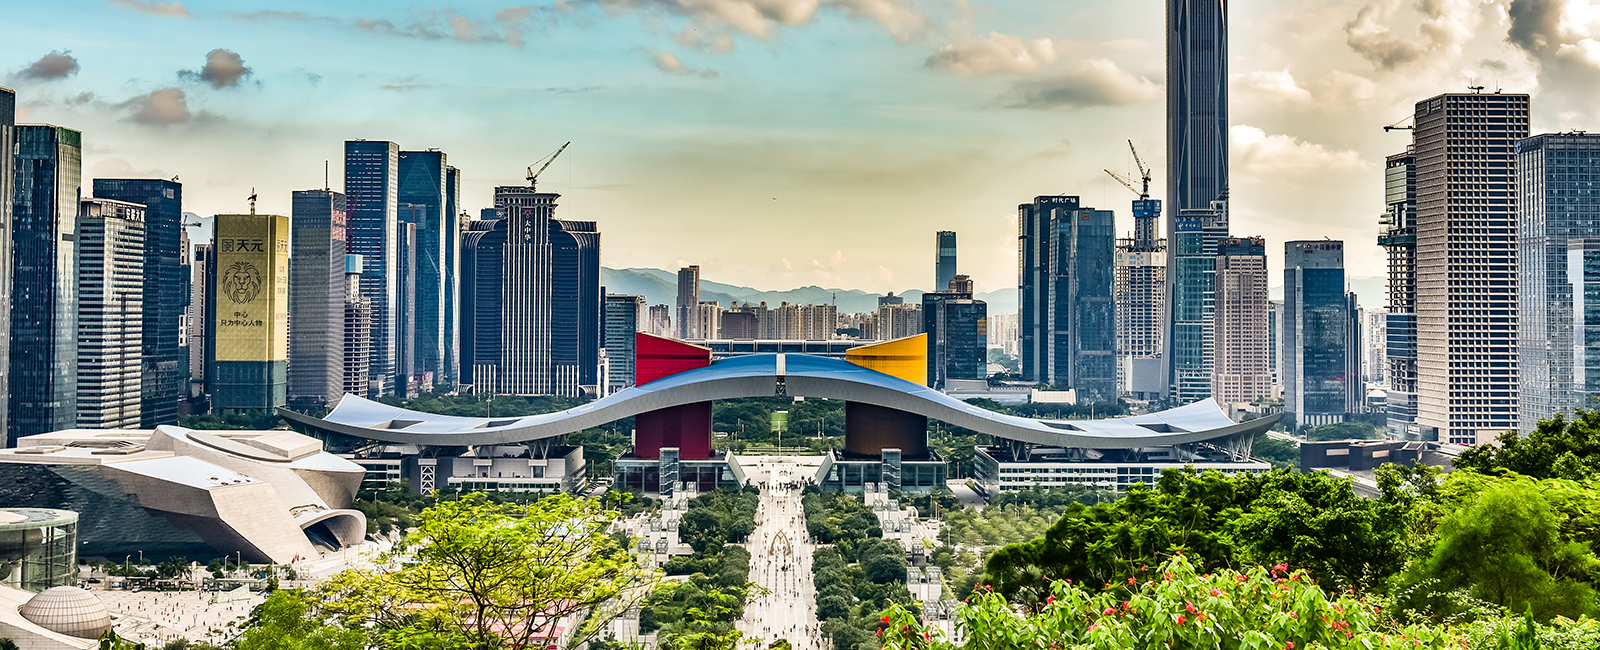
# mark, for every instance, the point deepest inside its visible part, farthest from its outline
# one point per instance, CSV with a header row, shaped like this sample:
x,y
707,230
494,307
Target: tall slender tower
x,y
111,284
424,187
371,187
8,122
161,360
1241,372
317,288
1197,182
1316,321
945,264
251,298
689,303
43,391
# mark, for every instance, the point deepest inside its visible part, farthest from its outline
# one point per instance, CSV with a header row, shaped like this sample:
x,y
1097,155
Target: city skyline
x,y
914,103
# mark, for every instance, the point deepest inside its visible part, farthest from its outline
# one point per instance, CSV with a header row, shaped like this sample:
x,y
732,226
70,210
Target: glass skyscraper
x,y
1081,345
623,317
424,187
454,218
945,264
1192,300
1398,235
1558,205
8,122
1583,275
371,188
318,240
44,292
164,293
575,305
1035,232
111,285
1316,385
958,337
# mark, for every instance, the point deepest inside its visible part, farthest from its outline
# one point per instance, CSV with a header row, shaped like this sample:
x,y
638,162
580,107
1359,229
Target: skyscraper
x,y
624,316
162,358
408,375
252,313
1197,189
1035,226
357,348
371,187
111,260
8,122
958,338
1398,235
945,263
482,263
424,186
202,339
575,305
317,284
1555,206
44,289
1140,299
525,315
454,218
1080,312
1467,264
1316,384
688,302
1583,272
1241,372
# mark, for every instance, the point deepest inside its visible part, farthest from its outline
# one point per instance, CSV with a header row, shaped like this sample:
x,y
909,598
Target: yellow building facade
x,y
905,358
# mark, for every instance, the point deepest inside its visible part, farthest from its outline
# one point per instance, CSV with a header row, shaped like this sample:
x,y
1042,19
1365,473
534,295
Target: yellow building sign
x,y
252,287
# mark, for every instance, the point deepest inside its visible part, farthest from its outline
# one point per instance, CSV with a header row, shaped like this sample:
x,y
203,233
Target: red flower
x,y
1216,592
1189,606
1168,576
1290,646
1281,567
1180,619
1050,601
1069,581
886,619
1109,611
1133,581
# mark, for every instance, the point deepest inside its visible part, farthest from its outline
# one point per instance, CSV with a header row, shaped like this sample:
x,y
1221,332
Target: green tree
x,y
289,620
1505,548
1557,448
478,574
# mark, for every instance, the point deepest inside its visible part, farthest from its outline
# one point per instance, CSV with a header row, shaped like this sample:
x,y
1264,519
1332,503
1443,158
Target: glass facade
x,y
623,314
482,268
1081,347
319,238
575,305
958,337
945,264
1034,280
423,198
1398,235
1191,288
453,219
44,291
1315,384
371,187
38,548
164,292
8,121
1583,274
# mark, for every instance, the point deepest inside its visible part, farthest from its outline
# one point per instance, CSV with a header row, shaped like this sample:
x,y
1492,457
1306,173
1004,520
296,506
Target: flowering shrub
x,y
1173,606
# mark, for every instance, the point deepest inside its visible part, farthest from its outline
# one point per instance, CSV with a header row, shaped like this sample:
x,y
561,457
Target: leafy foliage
x,y
1557,448
289,620
726,515
838,518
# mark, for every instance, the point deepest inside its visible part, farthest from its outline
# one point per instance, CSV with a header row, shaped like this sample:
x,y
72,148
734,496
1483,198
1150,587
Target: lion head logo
x,y
242,282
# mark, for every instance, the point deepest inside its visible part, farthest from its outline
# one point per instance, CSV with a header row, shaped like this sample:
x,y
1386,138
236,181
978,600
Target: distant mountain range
x,y
661,288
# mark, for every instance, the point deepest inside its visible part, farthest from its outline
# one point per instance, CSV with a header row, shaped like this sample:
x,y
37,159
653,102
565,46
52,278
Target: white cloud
x,y
1446,26
996,53
172,9
763,19
1081,84
669,63
1253,151
223,69
1269,87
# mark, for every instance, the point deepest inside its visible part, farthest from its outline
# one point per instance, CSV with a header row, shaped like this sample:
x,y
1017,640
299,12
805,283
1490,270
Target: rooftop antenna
x,y
325,176
1475,89
252,200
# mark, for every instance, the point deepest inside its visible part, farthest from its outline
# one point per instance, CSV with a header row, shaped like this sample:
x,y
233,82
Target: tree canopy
x,y
1557,448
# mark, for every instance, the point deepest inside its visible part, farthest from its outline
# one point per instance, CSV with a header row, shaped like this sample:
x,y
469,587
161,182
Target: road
x,y
780,559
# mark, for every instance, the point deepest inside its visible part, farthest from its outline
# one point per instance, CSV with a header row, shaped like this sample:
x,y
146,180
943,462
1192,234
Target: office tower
x,y
661,320
8,123
1241,372
1316,385
317,286
201,341
163,290
1355,389
482,253
945,262
688,300
409,378
454,218
424,201
44,288
1374,328
958,338
185,284
1139,295
357,343
371,188
1191,282
1066,314
1555,206
252,313
524,367
1583,272
1467,265
1275,343
575,306
624,317
111,259
1035,222
891,299
1398,236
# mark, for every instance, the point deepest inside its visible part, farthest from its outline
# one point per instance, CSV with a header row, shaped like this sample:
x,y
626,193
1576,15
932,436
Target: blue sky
x,y
779,143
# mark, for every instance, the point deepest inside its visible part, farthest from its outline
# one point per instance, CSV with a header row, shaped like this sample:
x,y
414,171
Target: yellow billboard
x,y
252,287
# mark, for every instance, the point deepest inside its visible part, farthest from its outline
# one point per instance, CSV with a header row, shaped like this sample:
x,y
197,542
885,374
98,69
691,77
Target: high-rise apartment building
x,y
958,338
48,183
897,321
111,259
1374,346
945,262
1316,338
624,319
1556,205
162,358
576,306
1191,312
252,313
1139,295
424,201
661,320
317,287
1467,264
8,123
1398,236
357,344
1241,372
689,302
371,188
740,323
1003,332
892,299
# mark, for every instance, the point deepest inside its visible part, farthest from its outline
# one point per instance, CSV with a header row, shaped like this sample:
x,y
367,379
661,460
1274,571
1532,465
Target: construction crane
x,y
1401,125
533,176
1143,190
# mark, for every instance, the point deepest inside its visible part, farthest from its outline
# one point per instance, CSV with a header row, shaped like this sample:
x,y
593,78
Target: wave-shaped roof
x,y
761,376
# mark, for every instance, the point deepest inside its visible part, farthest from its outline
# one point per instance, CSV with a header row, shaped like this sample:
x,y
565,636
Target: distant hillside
x,y
661,288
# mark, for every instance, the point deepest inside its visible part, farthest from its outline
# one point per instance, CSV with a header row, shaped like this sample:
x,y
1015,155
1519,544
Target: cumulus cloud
x,y
1273,87
431,24
1092,82
162,107
763,19
58,64
700,41
1446,26
668,62
173,9
1559,35
995,53
223,69
1254,151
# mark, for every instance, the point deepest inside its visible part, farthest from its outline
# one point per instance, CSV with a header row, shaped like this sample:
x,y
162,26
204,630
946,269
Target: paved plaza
x,y
780,557
156,617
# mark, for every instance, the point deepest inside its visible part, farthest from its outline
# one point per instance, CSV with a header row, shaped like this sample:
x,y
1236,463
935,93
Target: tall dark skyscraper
x,y
318,241
1066,317
482,264
1197,182
454,217
624,315
575,305
945,265
958,335
689,303
1398,235
44,290
1316,321
371,188
163,359
1034,223
8,123
424,189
